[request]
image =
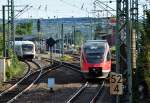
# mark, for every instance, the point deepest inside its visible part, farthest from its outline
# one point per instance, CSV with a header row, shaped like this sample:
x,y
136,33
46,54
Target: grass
x,y
147,79
14,70
66,58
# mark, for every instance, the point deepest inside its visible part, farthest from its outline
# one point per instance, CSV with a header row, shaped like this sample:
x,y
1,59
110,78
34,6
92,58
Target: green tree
x,y
1,44
142,73
146,40
1,28
79,39
24,28
98,31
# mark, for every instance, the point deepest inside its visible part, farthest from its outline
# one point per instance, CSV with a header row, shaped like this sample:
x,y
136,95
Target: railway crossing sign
x,y
116,84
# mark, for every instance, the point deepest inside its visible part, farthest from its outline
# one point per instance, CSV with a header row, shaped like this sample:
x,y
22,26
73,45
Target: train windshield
x,y
27,47
94,54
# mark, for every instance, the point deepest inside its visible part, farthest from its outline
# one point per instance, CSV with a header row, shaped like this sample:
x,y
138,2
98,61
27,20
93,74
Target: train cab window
x,y
94,54
108,56
27,47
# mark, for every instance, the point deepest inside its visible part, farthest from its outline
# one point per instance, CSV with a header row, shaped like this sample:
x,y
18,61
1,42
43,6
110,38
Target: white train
x,y
25,49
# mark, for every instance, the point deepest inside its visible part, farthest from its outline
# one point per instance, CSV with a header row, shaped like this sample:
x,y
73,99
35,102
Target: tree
x,y
146,40
24,28
79,39
98,31
1,45
142,73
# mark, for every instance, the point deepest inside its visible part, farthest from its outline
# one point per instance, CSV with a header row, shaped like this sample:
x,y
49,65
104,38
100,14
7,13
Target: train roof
x,y
100,42
96,41
23,42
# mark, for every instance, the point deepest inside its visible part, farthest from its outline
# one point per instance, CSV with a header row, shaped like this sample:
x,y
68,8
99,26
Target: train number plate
x,y
116,84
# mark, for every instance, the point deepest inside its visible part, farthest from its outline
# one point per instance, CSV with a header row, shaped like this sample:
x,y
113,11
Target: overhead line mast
x,y
126,35
12,24
123,51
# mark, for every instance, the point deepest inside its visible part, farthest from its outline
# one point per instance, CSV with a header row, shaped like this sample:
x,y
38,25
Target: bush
x,y
15,68
66,58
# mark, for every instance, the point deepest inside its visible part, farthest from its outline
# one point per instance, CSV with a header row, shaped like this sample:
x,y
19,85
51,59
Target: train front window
x,y
27,47
94,54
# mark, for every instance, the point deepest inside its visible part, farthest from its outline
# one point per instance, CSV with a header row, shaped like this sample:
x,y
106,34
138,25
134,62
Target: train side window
x,y
108,56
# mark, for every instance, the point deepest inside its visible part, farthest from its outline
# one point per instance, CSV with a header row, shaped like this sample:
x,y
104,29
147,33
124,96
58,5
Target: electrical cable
x,y
73,5
104,9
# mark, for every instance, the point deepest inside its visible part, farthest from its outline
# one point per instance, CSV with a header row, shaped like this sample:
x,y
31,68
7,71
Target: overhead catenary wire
x,y
104,9
73,5
20,11
98,1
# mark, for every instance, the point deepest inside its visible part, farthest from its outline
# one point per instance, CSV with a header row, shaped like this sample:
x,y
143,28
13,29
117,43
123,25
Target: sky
x,y
63,8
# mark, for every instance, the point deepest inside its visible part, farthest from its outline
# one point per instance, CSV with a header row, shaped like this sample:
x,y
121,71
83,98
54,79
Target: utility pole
x,y
4,33
135,39
123,50
91,35
134,30
12,24
62,38
73,37
94,6
144,10
9,31
39,35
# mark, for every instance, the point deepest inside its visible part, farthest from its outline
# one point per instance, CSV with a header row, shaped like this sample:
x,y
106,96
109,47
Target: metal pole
x,y
117,45
134,41
51,55
4,39
123,50
74,31
91,29
8,26
62,37
12,24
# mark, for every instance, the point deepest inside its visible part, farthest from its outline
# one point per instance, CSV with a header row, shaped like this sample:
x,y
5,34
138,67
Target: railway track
x,y
72,66
88,93
23,85
20,80
76,56
19,88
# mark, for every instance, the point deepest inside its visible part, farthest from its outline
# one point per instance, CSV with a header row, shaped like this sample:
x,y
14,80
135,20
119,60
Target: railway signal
x,y
50,42
38,25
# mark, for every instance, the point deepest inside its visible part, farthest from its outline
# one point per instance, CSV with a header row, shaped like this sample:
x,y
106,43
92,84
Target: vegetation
x,y
21,28
24,28
14,68
142,74
1,45
146,40
79,39
66,58
98,31
146,47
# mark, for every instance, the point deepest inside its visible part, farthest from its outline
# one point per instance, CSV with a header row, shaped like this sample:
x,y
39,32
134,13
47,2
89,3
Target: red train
x,y
95,59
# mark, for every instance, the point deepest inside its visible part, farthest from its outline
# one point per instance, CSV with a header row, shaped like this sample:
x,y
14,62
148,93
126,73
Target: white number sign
x,y
116,83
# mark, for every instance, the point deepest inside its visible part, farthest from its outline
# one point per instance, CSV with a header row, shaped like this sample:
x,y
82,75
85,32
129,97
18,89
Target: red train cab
x,y
95,59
